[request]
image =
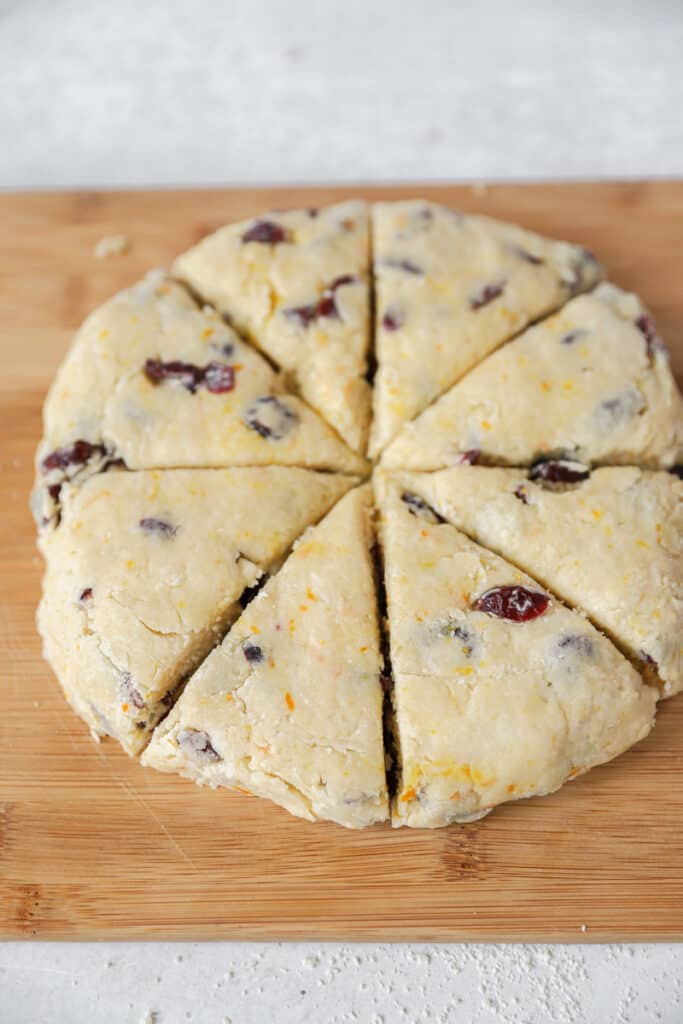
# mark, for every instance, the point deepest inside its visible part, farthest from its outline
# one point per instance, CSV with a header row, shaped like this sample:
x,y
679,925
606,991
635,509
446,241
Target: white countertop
x,y
128,93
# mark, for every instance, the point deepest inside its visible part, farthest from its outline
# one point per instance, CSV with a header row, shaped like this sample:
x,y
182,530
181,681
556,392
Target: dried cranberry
x,y
529,257
197,744
578,642
160,526
406,265
487,293
219,378
520,492
646,326
215,377
303,315
417,506
54,490
515,603
270,417
252,652
342,280
326,305
130,693
576,280
558,472
265,231
469,458
461,633
392,319
85,595
76,454
571,336
189,375
614,411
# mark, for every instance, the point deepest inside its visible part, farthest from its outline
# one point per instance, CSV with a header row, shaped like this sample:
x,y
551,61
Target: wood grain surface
x,y
93,846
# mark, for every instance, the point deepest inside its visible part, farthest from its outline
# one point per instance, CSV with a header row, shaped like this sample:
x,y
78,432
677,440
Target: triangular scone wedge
x,y
155,381
500,691
592,383
296,283
609,542
450,289
145,574
289,706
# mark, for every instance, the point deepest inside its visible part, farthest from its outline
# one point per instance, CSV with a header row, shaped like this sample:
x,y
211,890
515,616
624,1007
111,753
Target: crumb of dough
x,y
111,245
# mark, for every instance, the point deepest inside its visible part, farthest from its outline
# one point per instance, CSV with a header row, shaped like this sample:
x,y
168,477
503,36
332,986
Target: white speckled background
x,y
130,93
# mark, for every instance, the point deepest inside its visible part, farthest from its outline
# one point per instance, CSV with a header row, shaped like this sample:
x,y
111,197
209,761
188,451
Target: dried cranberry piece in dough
x,y
270,418
514,603
76,454
486,294
268,232
197,744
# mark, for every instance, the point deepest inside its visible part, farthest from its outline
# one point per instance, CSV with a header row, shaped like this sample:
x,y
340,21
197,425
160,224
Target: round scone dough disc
x,y
289,707
592,383
609,543
297,284
450,289
144,575
156,381
500,691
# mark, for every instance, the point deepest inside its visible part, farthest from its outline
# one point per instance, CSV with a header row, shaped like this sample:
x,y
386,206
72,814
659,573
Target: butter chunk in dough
x,y
289,707
450,289
610,544
155,381
296,283
488,708
592,383
145,574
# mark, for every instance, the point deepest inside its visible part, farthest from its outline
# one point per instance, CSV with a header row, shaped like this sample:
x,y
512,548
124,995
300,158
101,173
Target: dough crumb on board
x,y
111,245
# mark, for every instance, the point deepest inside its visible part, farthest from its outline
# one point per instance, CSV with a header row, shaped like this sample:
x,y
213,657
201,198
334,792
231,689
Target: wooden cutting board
x,y
92,846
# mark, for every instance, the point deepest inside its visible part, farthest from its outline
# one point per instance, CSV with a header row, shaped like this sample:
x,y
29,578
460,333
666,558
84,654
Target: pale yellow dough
x,y
433,267
102,395
583,384
489,710
144,575
260,286
289,706
611,545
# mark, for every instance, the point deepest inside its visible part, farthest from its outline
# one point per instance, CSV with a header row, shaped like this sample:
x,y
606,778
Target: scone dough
x,y
290,705
155,381
611,545
145,573
450,289
488,709
296,283
592,383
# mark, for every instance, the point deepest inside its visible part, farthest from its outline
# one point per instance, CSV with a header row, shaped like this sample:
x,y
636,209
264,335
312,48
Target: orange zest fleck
x,y
124,707
289,701
409,794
